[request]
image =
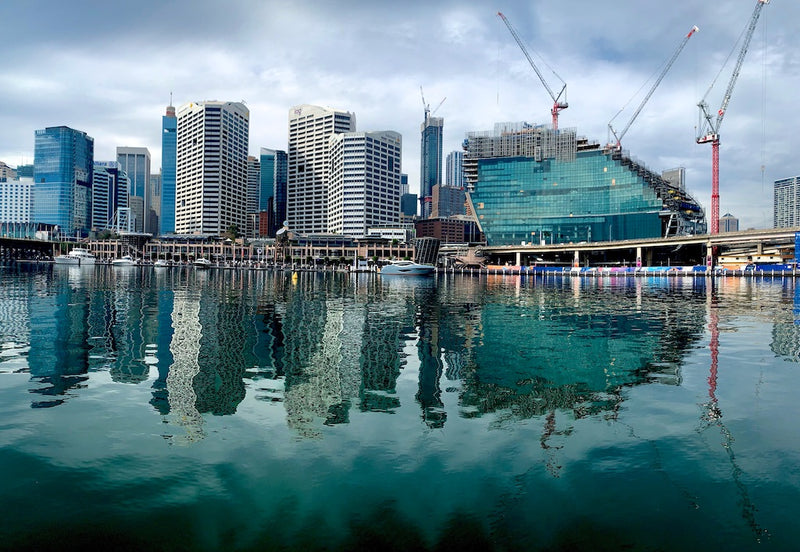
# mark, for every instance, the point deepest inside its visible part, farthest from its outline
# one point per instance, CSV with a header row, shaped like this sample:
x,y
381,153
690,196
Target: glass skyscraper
x,y
272,192
533,184
135,162
62,172
430,161
169,157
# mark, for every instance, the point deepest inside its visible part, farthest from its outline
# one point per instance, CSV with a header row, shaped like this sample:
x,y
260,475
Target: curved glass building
x,y
533,184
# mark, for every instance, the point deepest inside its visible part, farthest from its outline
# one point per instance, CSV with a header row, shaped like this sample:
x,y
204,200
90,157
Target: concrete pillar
x,y
638,257
519,258
576,261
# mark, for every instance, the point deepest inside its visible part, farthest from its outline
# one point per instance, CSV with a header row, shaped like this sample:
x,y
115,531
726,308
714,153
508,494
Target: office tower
x,y
272,192
25,171
169,152
135,162
454,176
253,189
109,194
404,184
786,202
62,173
728,223
447,201
154,220
310,129
430,161
15,201
211,183
364,182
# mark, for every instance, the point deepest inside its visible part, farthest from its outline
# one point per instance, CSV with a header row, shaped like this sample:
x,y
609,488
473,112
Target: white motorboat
x,y
162,263
125,260
407,268
77,257
202,262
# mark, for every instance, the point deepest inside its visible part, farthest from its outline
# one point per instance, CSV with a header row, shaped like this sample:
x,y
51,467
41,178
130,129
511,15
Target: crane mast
x,y
709,125
558,103
667,67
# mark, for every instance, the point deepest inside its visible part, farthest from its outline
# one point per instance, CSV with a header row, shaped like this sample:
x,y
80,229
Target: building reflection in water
x,y
327,343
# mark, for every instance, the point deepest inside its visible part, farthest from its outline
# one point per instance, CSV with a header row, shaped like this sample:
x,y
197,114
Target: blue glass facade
x,y
598,196
272,194
169,159
62,172
430,162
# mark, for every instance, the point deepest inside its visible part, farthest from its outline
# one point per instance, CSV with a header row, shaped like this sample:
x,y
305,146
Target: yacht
x,y
407,268
125,260
202,262
77,257
162,263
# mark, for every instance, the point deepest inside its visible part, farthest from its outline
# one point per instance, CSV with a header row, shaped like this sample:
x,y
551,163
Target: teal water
x,y
225,410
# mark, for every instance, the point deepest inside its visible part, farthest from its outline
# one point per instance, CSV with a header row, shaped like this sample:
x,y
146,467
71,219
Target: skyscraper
x,y
786,202
272,193
63,162
430,161
253,189
109,193
310,129
211,176
169,149
364,182
135,162
454,171
728,223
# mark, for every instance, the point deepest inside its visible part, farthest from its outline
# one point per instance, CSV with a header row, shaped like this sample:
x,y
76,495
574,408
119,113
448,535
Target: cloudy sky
x,y
108,68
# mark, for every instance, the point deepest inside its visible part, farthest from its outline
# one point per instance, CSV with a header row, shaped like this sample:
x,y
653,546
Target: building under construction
x,y
533,184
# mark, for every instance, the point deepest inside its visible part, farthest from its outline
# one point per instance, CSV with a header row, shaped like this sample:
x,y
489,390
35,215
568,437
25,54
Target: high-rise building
x,y
454,172
447,201
15,201
404,184
211,183
169,152
272,192
109,194
728,223
155,203
430,161
364,181
786,202
310,130
253,189
62,174
135,162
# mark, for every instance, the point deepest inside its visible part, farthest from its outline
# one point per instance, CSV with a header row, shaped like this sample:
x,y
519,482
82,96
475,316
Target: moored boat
x,y
162,263
202,262
77,257
407,268
125,260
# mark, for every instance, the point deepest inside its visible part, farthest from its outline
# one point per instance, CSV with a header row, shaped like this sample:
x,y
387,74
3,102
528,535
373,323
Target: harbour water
x,y
175,409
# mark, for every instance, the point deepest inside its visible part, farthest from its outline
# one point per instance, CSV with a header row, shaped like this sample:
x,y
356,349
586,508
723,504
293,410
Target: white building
x,y
364,182
16,198
786,202
211,181
310,130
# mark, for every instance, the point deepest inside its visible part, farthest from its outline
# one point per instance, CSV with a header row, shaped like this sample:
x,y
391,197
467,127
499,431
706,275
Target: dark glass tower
x,y
62,172
430,161
169,157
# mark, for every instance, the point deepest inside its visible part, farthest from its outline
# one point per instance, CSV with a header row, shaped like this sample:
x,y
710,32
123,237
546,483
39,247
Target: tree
x,y
232,233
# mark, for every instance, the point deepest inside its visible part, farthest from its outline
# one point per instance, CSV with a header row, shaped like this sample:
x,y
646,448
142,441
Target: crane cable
x,y
764,106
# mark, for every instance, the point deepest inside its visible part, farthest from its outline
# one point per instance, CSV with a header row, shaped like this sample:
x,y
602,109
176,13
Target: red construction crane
x,y
619,136
709,126
558,103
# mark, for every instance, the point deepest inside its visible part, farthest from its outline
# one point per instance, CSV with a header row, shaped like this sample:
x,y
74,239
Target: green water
x,y
175,409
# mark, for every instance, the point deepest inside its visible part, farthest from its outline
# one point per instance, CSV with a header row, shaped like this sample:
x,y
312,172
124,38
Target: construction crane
x,y
558,102
427,107
667,67
709,125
